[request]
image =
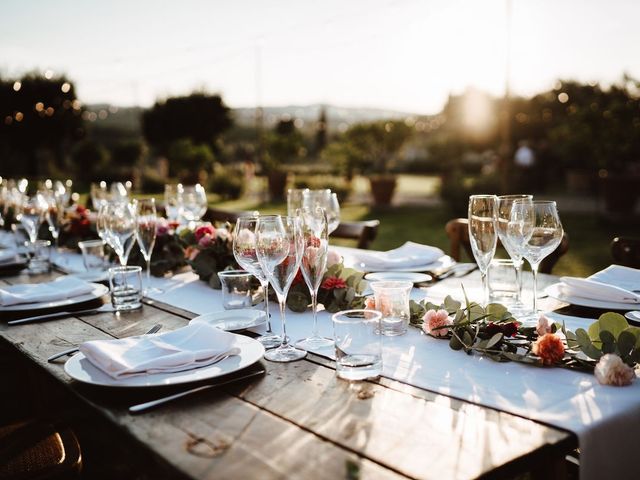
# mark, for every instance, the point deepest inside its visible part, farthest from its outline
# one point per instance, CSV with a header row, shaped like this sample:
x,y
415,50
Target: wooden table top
x,y
298,420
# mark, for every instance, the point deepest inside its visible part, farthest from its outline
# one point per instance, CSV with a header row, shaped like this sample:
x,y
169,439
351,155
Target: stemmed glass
x,y
294,200
54,215
327,200
244,251
534,229
279,248
193,202
31,213
483,214
505,202
99,195
146,224
121,226
314,264
173,201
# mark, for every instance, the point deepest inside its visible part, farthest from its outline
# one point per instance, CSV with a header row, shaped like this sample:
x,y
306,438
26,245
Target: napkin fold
x,y
408,256
196,345
59,289
598,290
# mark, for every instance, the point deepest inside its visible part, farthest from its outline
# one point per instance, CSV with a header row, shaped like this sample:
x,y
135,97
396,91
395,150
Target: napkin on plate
x,y
7,256
407,256
598,289
59,289
196,345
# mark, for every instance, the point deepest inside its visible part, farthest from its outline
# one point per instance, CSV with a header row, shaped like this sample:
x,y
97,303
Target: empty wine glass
x,y
483,211
54,215
194,203
505,203
121,226
31,213
534,229
294,200
244,251
146,224
119,192
315,246
99,194
173,201
327,200
279,248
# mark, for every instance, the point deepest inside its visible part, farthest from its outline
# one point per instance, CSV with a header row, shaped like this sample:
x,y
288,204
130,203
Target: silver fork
x,y
73,350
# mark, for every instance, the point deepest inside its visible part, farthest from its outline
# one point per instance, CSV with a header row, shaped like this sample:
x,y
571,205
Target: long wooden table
x,y
297,421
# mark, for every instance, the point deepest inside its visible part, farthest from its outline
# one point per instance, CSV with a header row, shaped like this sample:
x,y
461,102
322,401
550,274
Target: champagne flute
x,y
244,251
505,203
121,228
146,224
483,210
279,248
54,215
313,266
536,231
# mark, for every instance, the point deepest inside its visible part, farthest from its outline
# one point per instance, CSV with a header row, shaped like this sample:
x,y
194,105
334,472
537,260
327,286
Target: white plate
x,y
233,320
633,316
398,276
99,276
97,292
443,262
81,369
554,291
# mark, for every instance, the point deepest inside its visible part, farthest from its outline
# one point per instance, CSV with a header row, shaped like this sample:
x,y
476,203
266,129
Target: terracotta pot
x,y
277,184
620,193
382,189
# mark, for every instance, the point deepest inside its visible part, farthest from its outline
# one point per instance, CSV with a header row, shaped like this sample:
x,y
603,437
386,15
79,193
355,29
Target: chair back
x,y
363,232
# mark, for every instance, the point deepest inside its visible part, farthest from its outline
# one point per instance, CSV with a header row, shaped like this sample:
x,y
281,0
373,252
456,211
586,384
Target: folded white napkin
x,y
598,290
409,255
623,277
59,289
193,346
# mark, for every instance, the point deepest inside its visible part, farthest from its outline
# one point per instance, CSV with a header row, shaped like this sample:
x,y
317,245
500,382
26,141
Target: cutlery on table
x,y
58,315
73,350
160,401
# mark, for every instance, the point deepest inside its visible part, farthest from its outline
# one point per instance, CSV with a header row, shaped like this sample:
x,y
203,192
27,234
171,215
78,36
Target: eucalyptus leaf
x,y
455,343
495,340
613,322
626,342
451,305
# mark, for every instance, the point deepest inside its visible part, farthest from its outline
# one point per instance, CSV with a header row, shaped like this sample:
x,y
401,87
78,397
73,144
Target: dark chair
x,y
363,232
38,450
626,251
214,215
458,233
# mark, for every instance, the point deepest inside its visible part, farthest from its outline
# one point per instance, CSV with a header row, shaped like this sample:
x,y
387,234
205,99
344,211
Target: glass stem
x,y
265,292
283,304
485,287
518,266
314,307
148,272
534,269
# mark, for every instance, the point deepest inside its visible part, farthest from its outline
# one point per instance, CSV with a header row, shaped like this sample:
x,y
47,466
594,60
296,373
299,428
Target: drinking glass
x,y
121,226
505,202
358,344
294,200
119,192
534,229
315,246
244,251
327,200
236,289
92,254
54,216
194,203
279,248
39,253
483,214
31,213
99,195
126,288
392,301
173,201
146,224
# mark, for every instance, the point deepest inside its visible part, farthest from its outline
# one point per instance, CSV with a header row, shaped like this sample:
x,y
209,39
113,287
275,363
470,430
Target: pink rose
x,y
203,230
333,258
544,325
611,370
205,241
434,321
370,303
310,257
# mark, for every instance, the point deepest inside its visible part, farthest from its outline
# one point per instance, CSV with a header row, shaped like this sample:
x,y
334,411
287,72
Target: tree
x,y
89,160
187,160
198,117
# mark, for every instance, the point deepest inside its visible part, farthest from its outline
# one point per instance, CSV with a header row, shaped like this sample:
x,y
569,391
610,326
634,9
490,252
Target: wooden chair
x,y
626,251
38,450
458,233
363,232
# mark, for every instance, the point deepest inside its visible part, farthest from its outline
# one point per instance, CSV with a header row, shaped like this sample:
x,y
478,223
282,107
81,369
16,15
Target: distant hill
x,y
128,118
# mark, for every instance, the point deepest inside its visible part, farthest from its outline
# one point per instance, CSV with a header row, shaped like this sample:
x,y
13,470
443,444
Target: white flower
x,y
333,258
611,370
544,325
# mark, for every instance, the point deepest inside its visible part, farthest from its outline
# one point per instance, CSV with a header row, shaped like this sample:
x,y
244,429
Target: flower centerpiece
x,y
76,226
610,348
209,250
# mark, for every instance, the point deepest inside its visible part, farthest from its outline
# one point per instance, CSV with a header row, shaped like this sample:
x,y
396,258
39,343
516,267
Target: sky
x,y
406,55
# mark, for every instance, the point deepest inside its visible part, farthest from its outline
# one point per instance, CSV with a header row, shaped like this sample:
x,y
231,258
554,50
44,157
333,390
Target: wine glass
x,y
294,200
315,247
31,213
146,224
505,202
120,218
279,248
119,192
99,194
534,229
54,215
173,201
194,203
244,251
327,200
483,211
333,213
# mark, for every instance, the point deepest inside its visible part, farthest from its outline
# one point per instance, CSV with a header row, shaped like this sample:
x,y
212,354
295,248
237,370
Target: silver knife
x,y
57,315
154,403
55,356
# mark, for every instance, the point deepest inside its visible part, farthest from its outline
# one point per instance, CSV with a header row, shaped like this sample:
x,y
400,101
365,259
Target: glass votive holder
x,y
39,253
503,284
236,289
358,344
126,287
392,301
92,254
